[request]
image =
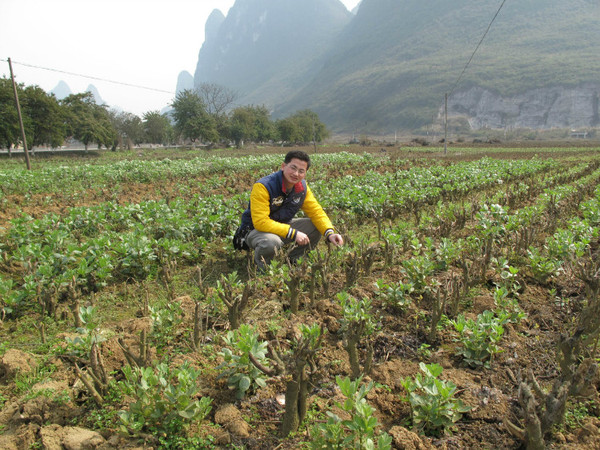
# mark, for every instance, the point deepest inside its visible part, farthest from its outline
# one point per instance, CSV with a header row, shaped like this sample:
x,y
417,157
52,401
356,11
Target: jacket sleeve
x,y
260,209
317,215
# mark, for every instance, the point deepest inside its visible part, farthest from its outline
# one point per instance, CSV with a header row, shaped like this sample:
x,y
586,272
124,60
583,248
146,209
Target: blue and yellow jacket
x,y
271,208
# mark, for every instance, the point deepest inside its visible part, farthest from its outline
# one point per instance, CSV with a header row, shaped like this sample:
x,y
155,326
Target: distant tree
x,y
310,127
10,131
88,122
265,128
218,100
192,121
289,130
241,126
251,123
129,128
157,127
46,115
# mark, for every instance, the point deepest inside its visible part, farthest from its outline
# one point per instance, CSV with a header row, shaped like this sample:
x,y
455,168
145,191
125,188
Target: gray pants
x,y
266,245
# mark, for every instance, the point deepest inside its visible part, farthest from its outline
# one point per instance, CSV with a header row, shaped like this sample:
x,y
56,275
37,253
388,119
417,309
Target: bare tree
x,y
218,99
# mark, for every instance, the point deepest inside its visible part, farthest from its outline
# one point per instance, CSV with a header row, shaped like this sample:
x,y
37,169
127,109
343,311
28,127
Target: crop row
x,y
55,179
88,247
392,193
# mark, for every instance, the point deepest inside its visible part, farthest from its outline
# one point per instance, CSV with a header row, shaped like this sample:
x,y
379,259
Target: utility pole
x,y
19,114
445,123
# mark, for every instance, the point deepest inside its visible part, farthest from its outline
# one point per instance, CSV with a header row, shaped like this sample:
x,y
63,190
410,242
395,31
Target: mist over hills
x,y
389,66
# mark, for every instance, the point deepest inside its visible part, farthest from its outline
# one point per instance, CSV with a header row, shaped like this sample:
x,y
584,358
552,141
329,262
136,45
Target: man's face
x,y
294,171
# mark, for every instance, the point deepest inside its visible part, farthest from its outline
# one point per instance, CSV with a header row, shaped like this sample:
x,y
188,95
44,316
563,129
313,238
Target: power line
x,y
91,77
476,48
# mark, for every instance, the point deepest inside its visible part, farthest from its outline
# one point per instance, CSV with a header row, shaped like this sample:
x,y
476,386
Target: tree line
x,y
206,114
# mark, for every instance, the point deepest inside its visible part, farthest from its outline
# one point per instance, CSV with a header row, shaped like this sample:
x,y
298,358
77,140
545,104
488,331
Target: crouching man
x,y
268,223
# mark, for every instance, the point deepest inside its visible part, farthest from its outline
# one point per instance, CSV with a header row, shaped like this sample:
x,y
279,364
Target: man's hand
x,y
336,239
302,238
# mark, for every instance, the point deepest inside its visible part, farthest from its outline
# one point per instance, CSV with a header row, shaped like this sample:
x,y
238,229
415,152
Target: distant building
x,y
579,134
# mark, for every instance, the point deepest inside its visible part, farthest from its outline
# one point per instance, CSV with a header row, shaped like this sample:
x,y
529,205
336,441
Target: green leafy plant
x,y
9,297
542,267
395,295
164,399
435,409
509,308
479,338
88,333
242,375
417,269
166,317
509,276
357,432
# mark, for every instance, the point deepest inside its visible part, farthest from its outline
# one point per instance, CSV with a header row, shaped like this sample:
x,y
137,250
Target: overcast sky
x,y
138,42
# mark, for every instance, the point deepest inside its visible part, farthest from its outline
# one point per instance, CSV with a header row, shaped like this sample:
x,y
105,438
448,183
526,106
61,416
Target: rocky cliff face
x,y
266,48
554,107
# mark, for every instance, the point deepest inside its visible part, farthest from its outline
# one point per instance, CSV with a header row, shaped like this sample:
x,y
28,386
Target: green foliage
x,y
417,269
43,117
191,117
128,127
491,220
10,133
166,317
26,379
435,410
251,123
575,415
164,399
301,128
136,255
358,326
542,267
88,333
9,297
509,276
88,122
175,442
157,128
358,432
355,311
395,295
479,338
509,309
46,117
242,375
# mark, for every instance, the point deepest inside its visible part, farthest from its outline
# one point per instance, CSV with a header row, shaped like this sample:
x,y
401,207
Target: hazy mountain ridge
x,y
389,66
262,51
62,90
185,80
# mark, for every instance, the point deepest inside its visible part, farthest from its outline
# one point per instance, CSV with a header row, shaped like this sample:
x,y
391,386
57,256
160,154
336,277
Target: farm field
x,y
463,311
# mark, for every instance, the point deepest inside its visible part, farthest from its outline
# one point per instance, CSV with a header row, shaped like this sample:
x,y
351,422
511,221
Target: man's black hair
x,y
298,154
